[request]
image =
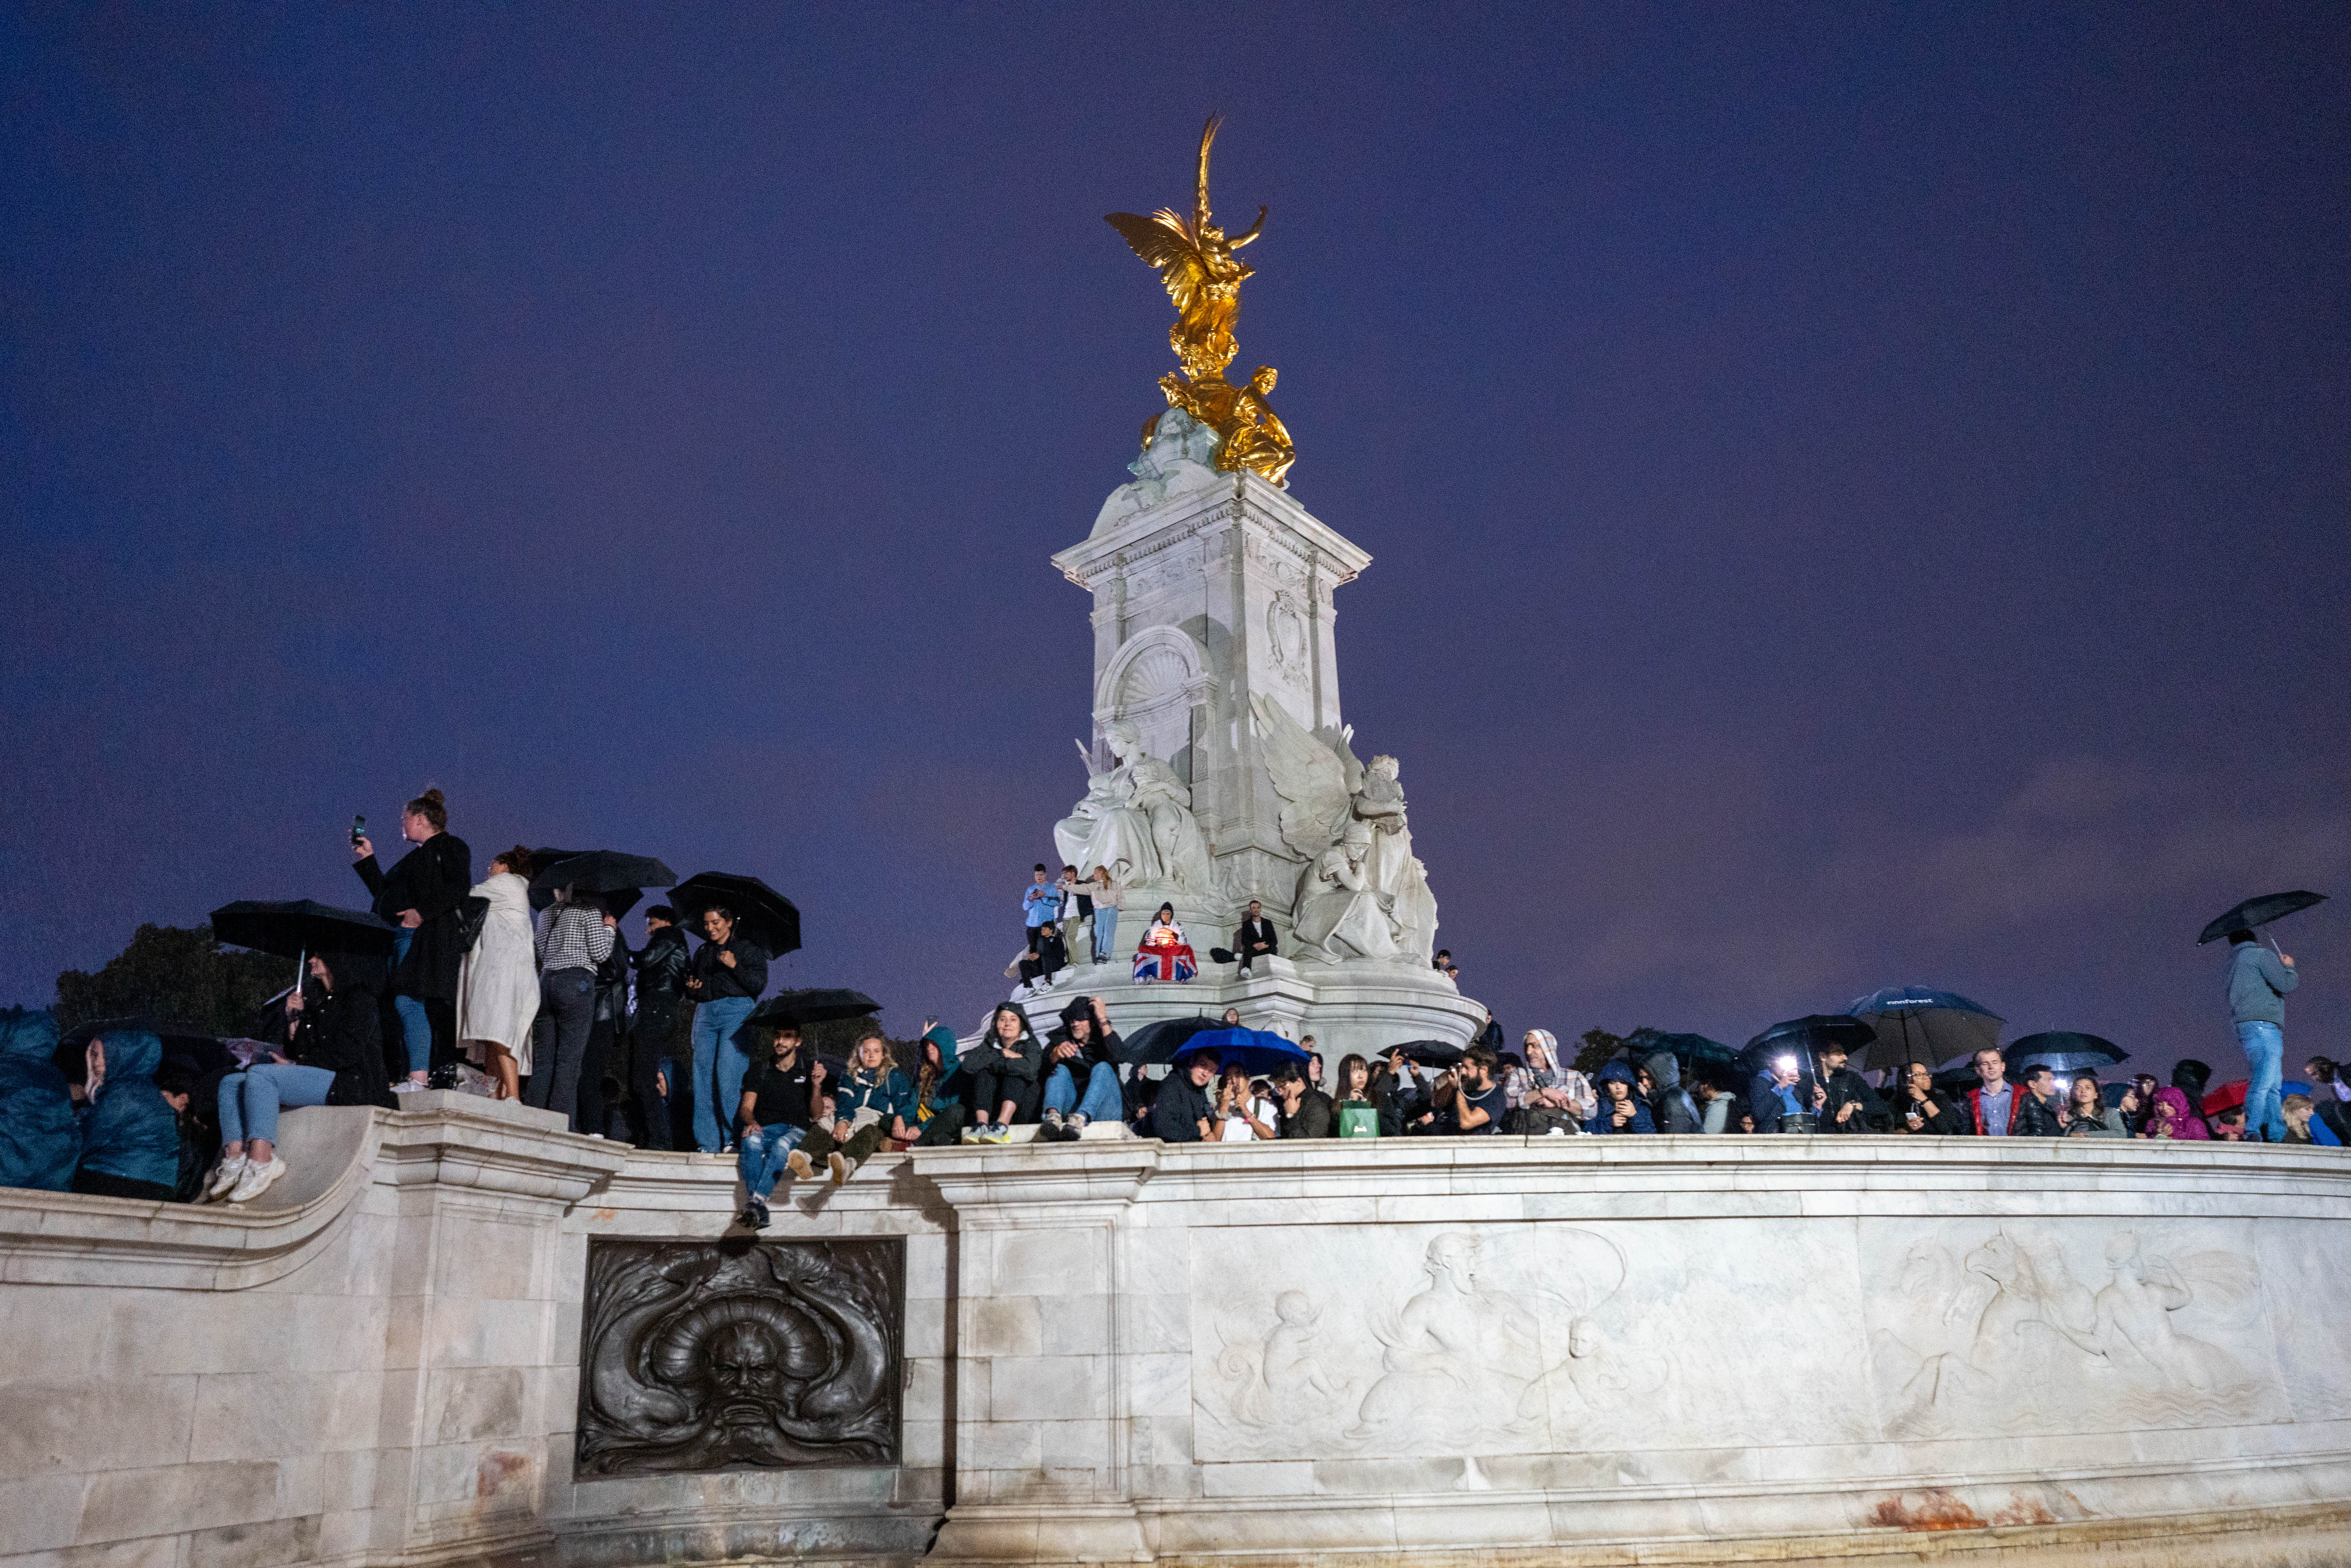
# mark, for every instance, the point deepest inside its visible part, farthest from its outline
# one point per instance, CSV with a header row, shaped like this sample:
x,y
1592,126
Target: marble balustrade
x,y
1595,1349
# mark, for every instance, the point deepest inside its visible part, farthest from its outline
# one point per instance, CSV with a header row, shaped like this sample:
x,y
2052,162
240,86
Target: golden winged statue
x,y
1196,264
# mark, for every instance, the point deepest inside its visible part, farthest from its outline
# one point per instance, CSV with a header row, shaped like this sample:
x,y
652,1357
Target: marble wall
x,y
1602,1350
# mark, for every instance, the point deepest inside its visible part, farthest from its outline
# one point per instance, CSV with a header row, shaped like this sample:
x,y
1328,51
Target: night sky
x,y
1856,495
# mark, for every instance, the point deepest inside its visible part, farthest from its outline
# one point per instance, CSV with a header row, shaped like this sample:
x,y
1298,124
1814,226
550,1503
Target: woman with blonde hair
x,y
1105,894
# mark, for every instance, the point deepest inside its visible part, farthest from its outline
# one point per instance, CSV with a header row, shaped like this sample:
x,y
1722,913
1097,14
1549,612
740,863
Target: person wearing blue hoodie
x,y
39,1143
938,1089
1620,1109
131,1136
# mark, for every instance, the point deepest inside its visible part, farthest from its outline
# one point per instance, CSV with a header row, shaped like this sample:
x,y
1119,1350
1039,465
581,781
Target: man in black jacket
x,y
2040,1112
1848,1102
1255,939
1084,1049
652,1069
1305,1110
1181,1113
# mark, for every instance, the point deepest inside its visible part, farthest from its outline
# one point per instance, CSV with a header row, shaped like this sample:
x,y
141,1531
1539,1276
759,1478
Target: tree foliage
x,y
174,974
1600,1047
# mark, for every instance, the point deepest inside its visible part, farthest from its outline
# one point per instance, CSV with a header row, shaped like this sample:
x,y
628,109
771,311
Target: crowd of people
x,y
654,1047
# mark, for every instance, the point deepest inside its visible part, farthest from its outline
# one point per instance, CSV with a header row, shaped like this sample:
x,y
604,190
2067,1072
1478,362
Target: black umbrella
x,y
1914,1024
2062,1050
1430,1052
1164,1041
765,915
1805,1038
601,871
299,928
2259,911
1696,1053
805,1008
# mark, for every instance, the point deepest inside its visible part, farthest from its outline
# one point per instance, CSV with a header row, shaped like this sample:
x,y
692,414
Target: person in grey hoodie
x,y
2258,982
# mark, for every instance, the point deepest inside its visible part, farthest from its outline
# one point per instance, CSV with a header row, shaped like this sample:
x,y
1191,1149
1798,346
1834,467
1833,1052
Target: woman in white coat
x,y
497,984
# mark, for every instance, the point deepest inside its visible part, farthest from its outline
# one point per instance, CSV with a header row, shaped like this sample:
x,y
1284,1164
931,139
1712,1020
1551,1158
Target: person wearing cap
x,y
1084,1046
1181,1112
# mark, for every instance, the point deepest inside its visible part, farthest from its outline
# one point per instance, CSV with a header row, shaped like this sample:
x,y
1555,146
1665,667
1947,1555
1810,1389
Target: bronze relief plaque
x,y
727,1355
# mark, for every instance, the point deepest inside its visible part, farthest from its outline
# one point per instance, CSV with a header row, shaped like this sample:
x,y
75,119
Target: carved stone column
x,y
1042,1432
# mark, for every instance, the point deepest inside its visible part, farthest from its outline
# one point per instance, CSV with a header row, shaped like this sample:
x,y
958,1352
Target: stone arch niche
x,y
1156,680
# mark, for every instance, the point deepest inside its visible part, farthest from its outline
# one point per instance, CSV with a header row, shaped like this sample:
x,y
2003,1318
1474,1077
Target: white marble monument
x,y
1219,769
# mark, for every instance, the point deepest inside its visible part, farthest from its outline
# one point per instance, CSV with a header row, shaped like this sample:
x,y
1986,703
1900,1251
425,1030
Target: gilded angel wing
x,y
1307,775
1164,241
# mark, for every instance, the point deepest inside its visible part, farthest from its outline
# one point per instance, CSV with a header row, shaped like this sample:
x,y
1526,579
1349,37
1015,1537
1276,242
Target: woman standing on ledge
x,y
498,985
422,895
1164,955
1105,894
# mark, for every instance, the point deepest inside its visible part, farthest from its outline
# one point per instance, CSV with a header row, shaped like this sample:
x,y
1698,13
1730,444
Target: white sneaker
x,y
1073,1126
255,1180
224,1176
408,1086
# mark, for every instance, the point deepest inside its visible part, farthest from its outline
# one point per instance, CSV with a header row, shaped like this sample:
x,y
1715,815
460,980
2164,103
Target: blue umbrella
x,y
1914,1024
1253,1048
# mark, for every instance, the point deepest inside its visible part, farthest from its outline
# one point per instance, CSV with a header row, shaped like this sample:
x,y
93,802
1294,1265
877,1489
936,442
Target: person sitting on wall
x,y
1180,1111
870,1104
1620,1109
1003,1068
1084,1049
1049,954
1164,955
782,1098
1255,939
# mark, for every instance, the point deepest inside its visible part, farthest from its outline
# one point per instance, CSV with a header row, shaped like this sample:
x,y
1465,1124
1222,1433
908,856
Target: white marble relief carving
x,y
1361,894
1999,1334
1136,819
1483,1354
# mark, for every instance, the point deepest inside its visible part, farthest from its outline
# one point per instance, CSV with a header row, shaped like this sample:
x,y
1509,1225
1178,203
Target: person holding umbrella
x,y
728,975
333,1044
2258,980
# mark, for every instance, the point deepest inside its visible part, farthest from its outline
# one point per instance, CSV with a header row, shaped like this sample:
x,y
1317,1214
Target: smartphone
x,y
359,831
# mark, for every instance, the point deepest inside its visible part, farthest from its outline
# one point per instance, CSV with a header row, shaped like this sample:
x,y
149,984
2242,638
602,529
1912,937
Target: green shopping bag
x,y
1359,1122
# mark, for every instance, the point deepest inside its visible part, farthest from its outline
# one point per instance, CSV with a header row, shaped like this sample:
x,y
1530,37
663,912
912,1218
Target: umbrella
x,y
1805,1038
2062,1050
761,913
806,1007
1429,1052
2259,911
1694,1051
1252,1048
1165,1039
297,928
1914,1024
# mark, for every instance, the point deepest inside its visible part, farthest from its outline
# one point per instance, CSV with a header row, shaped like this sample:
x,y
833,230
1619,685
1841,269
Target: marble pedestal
x,y
1362,1007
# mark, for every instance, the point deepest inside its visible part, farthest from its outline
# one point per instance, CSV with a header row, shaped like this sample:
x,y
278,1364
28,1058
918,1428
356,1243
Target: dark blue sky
x,y
1857,495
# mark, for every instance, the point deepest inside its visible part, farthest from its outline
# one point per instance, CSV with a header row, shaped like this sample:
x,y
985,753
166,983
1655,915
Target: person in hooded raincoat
x,y
131,1137
1619,1112
39,1142
1671,1109
939,1089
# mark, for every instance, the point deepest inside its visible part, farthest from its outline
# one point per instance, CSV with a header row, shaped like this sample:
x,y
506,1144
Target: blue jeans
x,y
250,1100
415,1027
759,1158
1102,1102
1105,935
2264,1046
719,1065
